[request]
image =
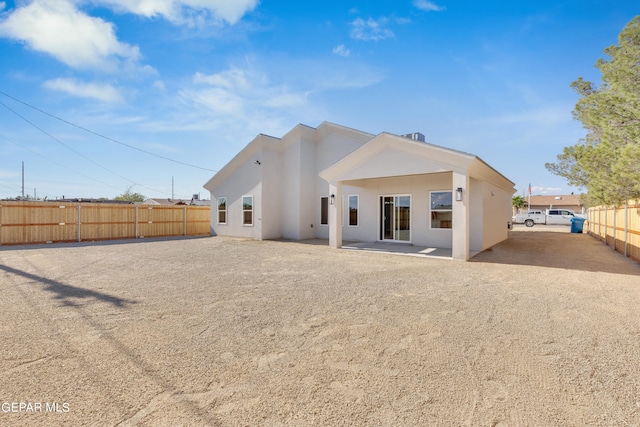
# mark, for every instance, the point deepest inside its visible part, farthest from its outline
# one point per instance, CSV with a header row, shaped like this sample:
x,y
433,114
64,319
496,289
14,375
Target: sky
x,y
98,97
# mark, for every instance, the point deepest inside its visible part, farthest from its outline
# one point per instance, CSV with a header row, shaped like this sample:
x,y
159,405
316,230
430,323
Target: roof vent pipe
x,y
416,136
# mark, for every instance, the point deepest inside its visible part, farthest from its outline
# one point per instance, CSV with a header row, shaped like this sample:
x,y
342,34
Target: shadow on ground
x,y
85,243
66,293
572,251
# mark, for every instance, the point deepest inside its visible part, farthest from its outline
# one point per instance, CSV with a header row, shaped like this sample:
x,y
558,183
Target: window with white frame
x,y
441,209
247,210
353,210
324,210
222,210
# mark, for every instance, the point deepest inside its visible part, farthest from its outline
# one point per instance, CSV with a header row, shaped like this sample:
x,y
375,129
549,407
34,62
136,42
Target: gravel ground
x,y
544,329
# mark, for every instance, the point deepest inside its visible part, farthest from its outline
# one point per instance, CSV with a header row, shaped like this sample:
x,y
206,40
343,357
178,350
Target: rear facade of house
x,y
341,184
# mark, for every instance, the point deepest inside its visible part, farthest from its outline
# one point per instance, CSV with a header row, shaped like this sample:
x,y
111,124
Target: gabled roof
x,y
393,155
263,141
561,200
389,155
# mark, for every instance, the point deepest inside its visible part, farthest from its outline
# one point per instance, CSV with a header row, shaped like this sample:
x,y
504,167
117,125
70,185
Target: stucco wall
x,y
307,196
418,186
476,215
329,148
246,180
272,194
290,211
497,213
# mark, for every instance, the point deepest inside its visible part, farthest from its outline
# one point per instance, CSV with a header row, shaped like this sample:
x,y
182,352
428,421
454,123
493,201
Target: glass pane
x,y
324,210
441,200
353,210
387,218
403,218
441,219
247,217
222,203
247,202
222,217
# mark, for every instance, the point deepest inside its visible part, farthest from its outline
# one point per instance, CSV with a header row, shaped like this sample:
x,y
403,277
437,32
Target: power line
x,y
16,189
65,145
59,164
106,137
76,152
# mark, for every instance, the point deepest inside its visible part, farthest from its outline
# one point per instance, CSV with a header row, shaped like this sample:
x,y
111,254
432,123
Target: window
x,y
247,210
222,210
324,210
353,211
441,209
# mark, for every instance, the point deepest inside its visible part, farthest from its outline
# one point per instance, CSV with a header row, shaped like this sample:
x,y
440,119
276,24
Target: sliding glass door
x,y
395,218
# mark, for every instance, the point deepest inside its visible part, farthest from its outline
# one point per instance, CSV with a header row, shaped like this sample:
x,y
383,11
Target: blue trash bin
x,y
577,224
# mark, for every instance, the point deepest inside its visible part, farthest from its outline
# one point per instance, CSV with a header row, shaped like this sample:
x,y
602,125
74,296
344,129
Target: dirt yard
x,y
542,330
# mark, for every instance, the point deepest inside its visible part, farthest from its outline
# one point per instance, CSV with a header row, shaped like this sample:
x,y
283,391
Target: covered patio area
x,y
414,197
399,249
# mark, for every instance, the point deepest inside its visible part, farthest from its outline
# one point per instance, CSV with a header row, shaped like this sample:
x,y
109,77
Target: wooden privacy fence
x,y
48,222
618,227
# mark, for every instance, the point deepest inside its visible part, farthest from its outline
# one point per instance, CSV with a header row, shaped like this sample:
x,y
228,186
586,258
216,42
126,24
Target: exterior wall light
x,y
459,194
332,200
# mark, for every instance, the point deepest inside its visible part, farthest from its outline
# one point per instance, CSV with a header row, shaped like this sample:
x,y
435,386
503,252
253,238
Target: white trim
x,y
440,210
380,219
246,210
348,210
226,210
320,221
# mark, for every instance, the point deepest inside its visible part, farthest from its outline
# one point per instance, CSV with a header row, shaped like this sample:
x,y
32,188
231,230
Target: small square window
x,y
441,209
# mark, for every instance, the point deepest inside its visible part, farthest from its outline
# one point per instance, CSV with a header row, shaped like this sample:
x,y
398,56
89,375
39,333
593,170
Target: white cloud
x,y
234,78
2,5
240,93
545,116
101,92
159,84
341,51
428,6
370,29
186,12
539,189
57,28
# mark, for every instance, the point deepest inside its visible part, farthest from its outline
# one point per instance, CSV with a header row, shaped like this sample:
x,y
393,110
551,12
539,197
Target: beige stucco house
x,y
341,184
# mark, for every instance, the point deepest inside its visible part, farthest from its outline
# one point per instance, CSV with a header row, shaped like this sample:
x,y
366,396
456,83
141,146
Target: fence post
x,y
78,221
136,221
185,222
615,222
626,228
606,224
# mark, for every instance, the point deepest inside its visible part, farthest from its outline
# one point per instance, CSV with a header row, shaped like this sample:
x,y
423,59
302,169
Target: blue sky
x,y
194,81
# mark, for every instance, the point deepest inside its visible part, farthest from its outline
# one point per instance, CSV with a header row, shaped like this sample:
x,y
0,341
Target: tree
x,y
518,202
605,163
129,196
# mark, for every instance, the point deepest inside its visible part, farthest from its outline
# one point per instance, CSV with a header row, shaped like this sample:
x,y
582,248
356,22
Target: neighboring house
x,y
337,183
173,202
570,202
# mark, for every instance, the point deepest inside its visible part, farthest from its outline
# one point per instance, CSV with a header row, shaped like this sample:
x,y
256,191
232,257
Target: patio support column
x,y
335,218
460,232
